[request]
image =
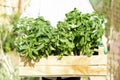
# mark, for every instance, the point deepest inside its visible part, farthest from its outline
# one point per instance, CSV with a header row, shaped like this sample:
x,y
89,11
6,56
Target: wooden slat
x,y
62,71
67,66
98,78
72,60
101,50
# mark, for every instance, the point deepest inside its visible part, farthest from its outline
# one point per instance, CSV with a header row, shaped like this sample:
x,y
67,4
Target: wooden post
x,y
19,6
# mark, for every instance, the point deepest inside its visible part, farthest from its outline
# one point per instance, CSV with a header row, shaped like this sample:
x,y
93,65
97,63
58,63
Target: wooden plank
x,y
71,60
101,50
98,78
56,71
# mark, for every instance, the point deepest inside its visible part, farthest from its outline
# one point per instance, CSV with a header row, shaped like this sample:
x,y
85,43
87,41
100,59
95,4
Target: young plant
x,y
85,30
78,34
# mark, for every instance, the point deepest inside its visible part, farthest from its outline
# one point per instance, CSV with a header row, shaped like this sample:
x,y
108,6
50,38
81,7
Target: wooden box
x,y
73,66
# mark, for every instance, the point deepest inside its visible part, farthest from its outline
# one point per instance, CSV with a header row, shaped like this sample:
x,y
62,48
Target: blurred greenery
x,y
5,76
103,7
7,34
7,37
15,76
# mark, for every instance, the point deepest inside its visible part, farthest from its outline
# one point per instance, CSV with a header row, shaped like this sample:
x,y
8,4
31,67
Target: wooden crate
x,y
72,66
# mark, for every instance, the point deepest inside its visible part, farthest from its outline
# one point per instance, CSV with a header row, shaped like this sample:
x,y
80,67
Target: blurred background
x,y
11,11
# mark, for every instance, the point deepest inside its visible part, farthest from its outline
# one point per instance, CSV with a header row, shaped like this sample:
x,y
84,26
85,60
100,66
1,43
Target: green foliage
x,y
7,35
4,75
8,44
103,7
33,37
14,19
86,31
78,34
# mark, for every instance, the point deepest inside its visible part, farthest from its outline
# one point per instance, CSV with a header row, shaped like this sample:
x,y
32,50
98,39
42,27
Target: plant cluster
x,y
78,34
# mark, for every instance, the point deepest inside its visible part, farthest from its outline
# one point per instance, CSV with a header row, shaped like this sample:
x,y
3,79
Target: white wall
x,y
55,10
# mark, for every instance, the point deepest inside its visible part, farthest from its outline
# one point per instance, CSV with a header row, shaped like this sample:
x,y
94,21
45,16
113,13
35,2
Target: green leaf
x,y
63,40
40,46
52,48
35,51
30,55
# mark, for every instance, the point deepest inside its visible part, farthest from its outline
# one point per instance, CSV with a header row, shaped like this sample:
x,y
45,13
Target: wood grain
x,y
67,66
